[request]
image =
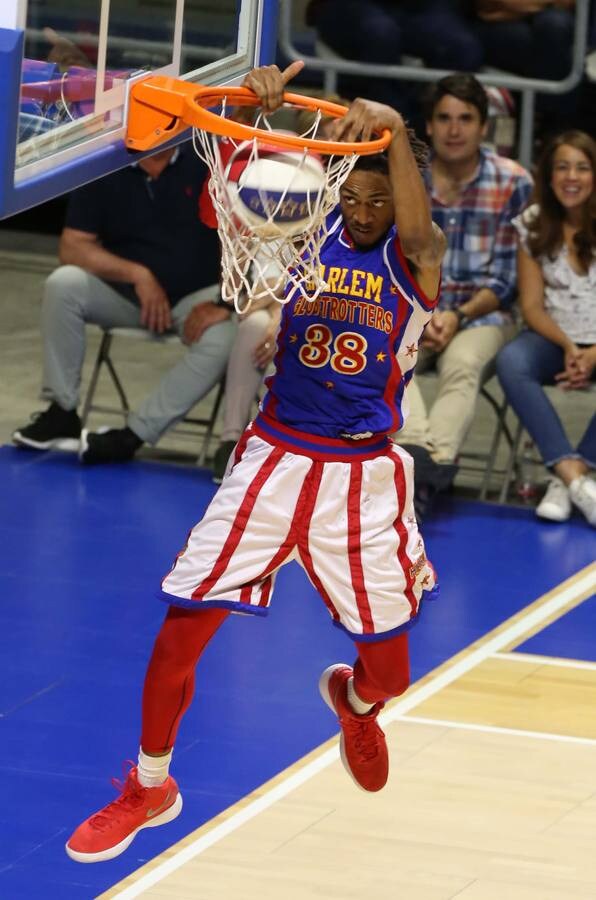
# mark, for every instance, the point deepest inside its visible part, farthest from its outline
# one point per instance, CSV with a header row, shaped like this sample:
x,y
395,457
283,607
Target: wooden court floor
x,y
492,793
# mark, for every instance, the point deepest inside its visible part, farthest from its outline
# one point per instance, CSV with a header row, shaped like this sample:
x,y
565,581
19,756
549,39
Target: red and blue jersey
x,y
345,359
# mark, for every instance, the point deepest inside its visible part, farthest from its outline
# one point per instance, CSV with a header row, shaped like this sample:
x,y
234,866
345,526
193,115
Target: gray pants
x,y
73,298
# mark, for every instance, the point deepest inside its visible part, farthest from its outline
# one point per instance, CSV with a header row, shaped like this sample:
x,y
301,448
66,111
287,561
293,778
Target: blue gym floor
x,y
82,551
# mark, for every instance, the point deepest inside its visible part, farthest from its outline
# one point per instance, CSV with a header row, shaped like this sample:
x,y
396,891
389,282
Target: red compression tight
x,y
381,671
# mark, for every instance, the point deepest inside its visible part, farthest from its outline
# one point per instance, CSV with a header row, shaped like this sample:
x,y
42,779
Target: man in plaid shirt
x,y
475,194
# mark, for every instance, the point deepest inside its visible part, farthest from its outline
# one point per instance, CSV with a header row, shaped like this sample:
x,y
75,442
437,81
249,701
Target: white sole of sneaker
x,y
550,514
171,813
70,444
324,692
83,443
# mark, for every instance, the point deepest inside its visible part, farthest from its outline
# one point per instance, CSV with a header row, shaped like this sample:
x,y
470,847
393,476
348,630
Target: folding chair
x,y
203,426
484,462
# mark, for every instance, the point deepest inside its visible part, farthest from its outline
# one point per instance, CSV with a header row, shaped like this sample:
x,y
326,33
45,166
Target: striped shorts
x,y
349,524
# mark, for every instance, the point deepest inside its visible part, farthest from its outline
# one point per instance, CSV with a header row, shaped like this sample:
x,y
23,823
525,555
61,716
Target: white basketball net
x,y
264,262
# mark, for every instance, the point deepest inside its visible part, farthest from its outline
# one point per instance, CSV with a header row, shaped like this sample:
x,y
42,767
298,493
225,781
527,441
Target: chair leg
x,y
118,385
500,429
102,356
211,423
513,451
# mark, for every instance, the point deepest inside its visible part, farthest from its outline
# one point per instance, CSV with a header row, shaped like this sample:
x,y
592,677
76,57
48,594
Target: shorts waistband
x,y
317,446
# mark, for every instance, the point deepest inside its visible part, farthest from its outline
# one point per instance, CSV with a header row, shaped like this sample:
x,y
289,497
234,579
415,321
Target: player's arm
x,y
423,243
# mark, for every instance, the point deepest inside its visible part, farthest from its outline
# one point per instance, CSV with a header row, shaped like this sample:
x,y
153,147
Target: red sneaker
x,y
109,832
362,745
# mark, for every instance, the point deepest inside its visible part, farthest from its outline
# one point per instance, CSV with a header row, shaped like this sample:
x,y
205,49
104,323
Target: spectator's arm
x,y
84,249
480,304
502,276
531,296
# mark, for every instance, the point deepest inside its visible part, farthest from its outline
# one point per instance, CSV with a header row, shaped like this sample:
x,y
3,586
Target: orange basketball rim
x,y
161,107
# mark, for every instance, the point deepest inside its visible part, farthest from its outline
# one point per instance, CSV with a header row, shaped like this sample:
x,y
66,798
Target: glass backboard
x,y
66,69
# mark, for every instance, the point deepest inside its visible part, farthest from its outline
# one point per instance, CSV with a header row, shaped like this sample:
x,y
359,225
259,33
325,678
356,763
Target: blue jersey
x,y
345,359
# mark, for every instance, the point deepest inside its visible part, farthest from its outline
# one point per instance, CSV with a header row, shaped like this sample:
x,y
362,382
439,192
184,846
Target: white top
x,y
569,298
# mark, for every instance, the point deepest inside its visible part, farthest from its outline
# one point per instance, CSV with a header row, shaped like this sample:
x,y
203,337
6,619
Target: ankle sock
x,y
153,770
360,707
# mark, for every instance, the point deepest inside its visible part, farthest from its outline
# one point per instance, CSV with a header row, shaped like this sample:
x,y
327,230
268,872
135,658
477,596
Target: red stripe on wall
x,y
239,524
354,549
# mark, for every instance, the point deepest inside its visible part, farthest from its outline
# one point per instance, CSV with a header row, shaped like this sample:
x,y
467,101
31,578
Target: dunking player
x,y
314,478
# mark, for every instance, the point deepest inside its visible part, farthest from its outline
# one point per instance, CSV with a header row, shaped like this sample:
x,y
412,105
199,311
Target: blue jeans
x,y
524,366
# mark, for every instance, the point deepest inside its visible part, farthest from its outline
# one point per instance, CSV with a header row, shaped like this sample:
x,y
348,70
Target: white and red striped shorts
x,y
350,525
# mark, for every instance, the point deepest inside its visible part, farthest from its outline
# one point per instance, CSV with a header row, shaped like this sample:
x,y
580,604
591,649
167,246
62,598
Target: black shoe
x,y
220,460
115,445
54,428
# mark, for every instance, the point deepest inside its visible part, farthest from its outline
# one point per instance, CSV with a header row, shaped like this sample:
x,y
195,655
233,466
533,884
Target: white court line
x,y
547,660
414,697
496,729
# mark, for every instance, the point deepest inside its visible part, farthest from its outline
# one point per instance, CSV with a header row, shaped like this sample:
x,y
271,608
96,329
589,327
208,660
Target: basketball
x,y
277,194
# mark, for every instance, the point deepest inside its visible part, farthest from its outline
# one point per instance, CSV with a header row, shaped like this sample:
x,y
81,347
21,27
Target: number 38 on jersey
x,y
345,353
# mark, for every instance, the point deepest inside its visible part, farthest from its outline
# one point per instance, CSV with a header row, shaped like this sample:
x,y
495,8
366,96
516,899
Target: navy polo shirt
x,y
154,222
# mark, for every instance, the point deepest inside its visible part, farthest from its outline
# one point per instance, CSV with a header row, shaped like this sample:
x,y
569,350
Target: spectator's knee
x,y
510,362
64,281
465,367
65,285
254,325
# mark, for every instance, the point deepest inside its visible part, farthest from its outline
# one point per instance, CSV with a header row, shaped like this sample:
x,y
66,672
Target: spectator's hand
x,y
577,371
441,329
202,317
156,314
269,83
265,350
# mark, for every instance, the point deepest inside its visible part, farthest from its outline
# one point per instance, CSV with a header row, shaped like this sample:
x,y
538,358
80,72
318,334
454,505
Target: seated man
x,y
134,253
475,194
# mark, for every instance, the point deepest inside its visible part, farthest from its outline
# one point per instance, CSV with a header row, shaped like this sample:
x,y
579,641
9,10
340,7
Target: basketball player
x,y
314,478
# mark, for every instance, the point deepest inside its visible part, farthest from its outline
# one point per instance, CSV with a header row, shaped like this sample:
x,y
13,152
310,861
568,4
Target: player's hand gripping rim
x,y
269,83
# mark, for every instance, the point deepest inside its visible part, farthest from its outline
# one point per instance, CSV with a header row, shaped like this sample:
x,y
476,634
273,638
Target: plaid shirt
x,y
481,241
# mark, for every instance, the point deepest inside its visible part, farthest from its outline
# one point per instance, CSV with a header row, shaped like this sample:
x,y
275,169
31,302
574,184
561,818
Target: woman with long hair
x,y
557,294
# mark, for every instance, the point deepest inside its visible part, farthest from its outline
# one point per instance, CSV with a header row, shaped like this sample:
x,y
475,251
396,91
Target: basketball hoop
x,y
273,250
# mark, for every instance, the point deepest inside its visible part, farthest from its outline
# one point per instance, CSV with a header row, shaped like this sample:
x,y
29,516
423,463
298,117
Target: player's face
x,y
366,203
455,130
572,178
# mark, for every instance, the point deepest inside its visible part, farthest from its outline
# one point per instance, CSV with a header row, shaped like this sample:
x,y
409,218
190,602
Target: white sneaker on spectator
x,y
582,491
556,504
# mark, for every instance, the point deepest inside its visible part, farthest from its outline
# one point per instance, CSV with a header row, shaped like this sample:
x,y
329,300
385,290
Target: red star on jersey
x,y
381,357
293,338
411,349
425,580
329,385
393,289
